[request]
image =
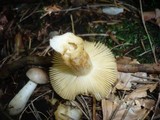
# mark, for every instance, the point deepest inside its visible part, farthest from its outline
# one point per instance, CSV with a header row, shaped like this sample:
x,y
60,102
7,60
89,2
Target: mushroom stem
x,y
18,103
72,51
78,60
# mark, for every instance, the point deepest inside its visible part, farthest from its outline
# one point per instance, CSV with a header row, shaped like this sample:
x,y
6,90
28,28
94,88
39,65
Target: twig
x,y
34,111
20,116
45,51
72,24
133,68
93,34
80,108
156,107
82,7
120,45
34,11
116,110
85,111
144,53
89,113
127,110
39,45
150,41
146,77
131,50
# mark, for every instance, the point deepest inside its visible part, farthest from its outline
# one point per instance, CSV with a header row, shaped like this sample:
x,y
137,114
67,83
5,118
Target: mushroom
x,y
18,103
68,111
81,67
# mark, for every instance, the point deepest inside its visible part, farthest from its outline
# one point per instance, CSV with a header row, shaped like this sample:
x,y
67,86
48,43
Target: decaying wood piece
x,y
132,68
7,69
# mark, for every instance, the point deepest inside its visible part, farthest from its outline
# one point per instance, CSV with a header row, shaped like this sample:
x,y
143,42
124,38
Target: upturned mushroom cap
x,y
37,75
98,81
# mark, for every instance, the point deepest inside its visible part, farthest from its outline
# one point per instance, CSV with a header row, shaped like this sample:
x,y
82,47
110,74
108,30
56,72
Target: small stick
x,y
156,107
133,68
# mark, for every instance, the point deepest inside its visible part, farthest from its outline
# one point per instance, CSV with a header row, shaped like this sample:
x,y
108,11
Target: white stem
x,y
72,50
18,103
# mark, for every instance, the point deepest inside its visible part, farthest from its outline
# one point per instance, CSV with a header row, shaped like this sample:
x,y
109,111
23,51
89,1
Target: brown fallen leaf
x,y
108,107
51,9
123,60
152,15
146,103
125,80
149,15
141,91
131,109
133,113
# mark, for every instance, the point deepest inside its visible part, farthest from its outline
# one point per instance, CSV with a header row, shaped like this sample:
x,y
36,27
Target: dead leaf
x,y
141,91
108,107
126,60
149,15
134,113
125,80
128,110
152,15
146,103
52,8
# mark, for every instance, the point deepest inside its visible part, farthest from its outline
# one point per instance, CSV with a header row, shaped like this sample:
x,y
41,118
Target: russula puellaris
x,y
18,103
81,67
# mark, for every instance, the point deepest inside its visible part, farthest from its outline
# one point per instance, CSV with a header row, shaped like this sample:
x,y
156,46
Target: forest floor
x,y
131,29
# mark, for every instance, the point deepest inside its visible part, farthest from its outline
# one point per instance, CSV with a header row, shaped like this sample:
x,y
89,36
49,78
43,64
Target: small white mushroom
x,y
18,103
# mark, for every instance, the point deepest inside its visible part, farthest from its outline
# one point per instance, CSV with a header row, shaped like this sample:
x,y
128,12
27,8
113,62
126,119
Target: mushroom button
x,y
18,103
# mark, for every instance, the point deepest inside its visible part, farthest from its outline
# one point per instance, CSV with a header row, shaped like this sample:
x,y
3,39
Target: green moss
x,y
132,38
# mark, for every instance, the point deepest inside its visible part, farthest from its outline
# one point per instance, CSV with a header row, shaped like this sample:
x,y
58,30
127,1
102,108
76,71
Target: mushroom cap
x,y
37,75
98,82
